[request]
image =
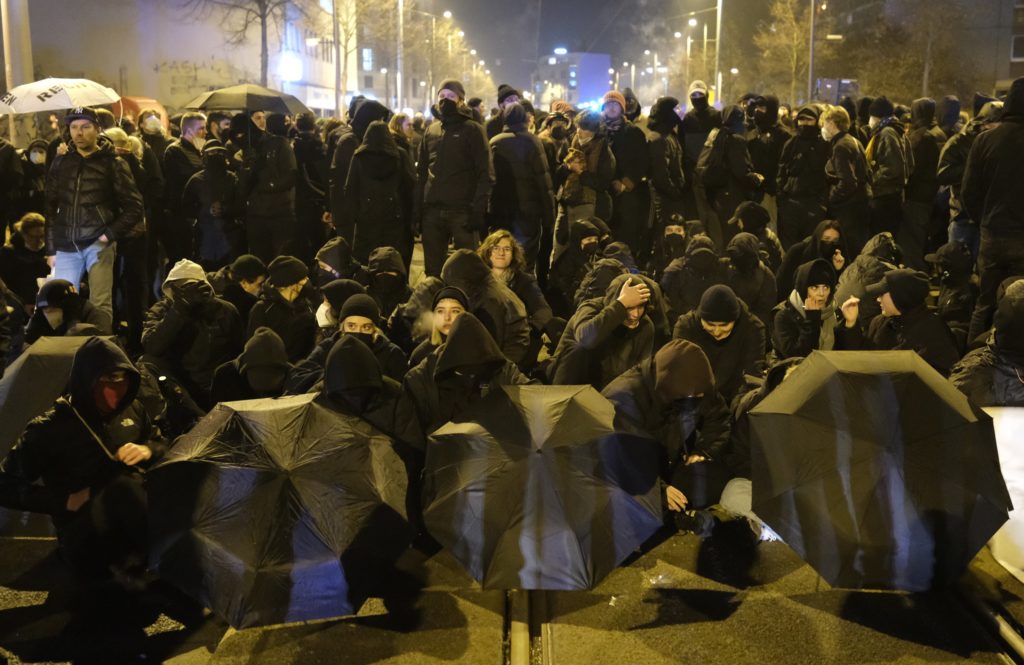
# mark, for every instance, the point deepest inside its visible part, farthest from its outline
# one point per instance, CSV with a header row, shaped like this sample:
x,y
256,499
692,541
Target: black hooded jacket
x,y
802,161
267,178
916,330
879,255
668,179
797,331
522,183
926,142
181,161
765,143
389,291
569,268
992,375
846,171
953,158
808,249
737,453
685,280
748,277
72,446
230,382
294,321
20,267
337,253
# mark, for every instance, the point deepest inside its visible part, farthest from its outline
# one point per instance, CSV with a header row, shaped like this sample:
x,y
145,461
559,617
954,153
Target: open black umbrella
x,y
532,488
271,510
876,470
248,97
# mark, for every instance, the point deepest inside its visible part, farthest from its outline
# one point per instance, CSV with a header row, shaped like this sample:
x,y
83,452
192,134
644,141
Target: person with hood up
x,y
335,261
287,306
993,375
765,142
23,259
389,280
455,376
926,141
863,118
266,185
847,174
698,122
312,164
994,199
753,218
890,162
522,200
449,304
455,176
670,244
952,162
606,336
801,182
949,116
671,398
362,113
91,201
491,302
210,203
749,278
59,307
827,242
30,195
732,338
240,283
957,290
190,332
572,265
668,179
806,320
261,370
80,463
379,189
905,322
880,255
685,280
630,195
596,281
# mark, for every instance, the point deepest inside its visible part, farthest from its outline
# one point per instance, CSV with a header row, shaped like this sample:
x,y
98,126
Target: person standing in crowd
x,y
726,173
362,113
210,205
30,194
455,176
994,199
91,200
587,174
668,182
507,96
630,195
522,201
311,186
698,122
847,174
926,141
890,163
182,160
765,142
802,188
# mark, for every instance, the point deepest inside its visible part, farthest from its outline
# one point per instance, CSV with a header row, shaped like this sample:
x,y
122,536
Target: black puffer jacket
x,y
268,175
392,360
181,162
765,143
87,197
801,171
890,159
523,181
742,352
454,166
989,378
668,179
879,255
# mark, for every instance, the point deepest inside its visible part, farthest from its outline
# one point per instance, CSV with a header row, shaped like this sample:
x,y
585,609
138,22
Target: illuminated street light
x,y
734,71
647,51
447,14
472,51
383,70
312,42
611,70
561,50
461,33
423,84
678,35
692,22
482,63
625,64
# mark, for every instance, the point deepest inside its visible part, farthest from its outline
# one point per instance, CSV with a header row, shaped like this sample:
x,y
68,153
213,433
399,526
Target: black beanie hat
x,y
881,107
453,293
505,91
719,304
285,271
755,217
455,86
907,288
360,304
248,267
340,290
514,116
588,120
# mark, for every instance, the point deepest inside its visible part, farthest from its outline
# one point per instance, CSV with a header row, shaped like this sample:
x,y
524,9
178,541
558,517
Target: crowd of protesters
x,y
681,262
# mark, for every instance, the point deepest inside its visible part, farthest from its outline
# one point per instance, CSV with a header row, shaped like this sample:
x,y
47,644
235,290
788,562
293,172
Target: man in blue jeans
x,y
91,201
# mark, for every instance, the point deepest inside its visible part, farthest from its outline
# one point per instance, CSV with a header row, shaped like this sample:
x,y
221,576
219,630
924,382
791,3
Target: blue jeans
x,y
98,261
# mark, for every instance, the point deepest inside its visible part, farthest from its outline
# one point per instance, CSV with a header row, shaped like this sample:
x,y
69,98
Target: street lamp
x,y
678,35
472,51
734,71
692,22
447,14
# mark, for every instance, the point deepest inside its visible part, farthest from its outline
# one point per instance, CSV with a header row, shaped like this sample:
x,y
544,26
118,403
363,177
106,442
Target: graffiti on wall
x,y
182,80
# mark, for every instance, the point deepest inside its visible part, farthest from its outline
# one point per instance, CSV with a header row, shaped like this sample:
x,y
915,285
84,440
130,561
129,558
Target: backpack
x,y
712,169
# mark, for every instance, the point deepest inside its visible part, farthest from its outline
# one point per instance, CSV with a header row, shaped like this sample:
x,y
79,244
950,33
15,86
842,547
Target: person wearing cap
x,y
905,322
879,255
890,162
630,195
286,307
522,200
586,173
801,184
994,200
209,204
455,174
957,290
58,308
91,201
698,122
190,332
261,370
671,397
847,174
507,96
450,302
668,182
806,320
992,375
240,283
182,160
733,339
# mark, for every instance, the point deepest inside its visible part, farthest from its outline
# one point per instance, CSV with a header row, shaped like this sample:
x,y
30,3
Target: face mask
x,y
108,394
447,107
743,261
324,277
54,318
389,283
675,244
365,338
590,249
152,125
874,122
828,248
699,103
808,131
37,157
825,134
558,133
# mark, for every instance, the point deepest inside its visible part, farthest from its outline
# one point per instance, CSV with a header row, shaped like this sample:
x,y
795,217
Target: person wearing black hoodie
x,y
507,96
23,258
379,190
739,181
698,122
668,179
59,307
957,291
455,376
210,203
991,375
994,199
806,320
827,242
685,280
801,182
361,113
312,164
926,141
571,266
733,339
335,261
890,163
182,160
80,463
261,370
765,142
862,130
240,283
949,116
748,276
522,200
753,218
455,176
287,307
630,195
389,280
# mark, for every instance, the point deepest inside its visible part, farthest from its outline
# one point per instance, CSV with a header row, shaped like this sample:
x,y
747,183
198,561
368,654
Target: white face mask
x,y
874,122
825,134
37,157
152,125
54,318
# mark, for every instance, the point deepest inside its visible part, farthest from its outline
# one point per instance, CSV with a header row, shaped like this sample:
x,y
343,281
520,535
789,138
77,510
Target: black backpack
x,y
712,169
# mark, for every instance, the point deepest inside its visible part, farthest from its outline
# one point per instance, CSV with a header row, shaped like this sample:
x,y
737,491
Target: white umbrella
x,y
53,94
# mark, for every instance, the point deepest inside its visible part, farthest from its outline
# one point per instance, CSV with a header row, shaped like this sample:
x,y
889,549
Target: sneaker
x,y
698,522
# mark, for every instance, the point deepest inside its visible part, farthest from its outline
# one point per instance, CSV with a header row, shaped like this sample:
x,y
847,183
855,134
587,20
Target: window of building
x,y
1017,49
368,60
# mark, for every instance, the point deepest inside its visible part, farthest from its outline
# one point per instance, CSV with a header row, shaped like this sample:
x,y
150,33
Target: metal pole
x,y
430,71
18,59
705,50
339,94
810,60
399,90
718,52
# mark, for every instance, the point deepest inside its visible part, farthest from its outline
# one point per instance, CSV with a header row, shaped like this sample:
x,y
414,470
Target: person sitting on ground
x,y
992,375
905,322
606,336
685,280
449,304
730,336
287,307
806,320
360,318
389,281
571,265
260,371
748,277
79,463
957,290
240,283
879,255
335,294
669,246
334,261
826,242
58,308
23,259
753,218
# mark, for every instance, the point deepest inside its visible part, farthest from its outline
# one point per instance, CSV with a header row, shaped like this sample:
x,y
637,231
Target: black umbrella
x,y
248,97
269,509
532,488
876,470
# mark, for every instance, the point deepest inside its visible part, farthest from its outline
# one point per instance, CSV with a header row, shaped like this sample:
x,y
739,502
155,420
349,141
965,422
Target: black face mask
x,y
675,245
743,261
356,400
591,249
448,108
388,283
828,248
699,103
809,131
324,277
365,338
558,132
